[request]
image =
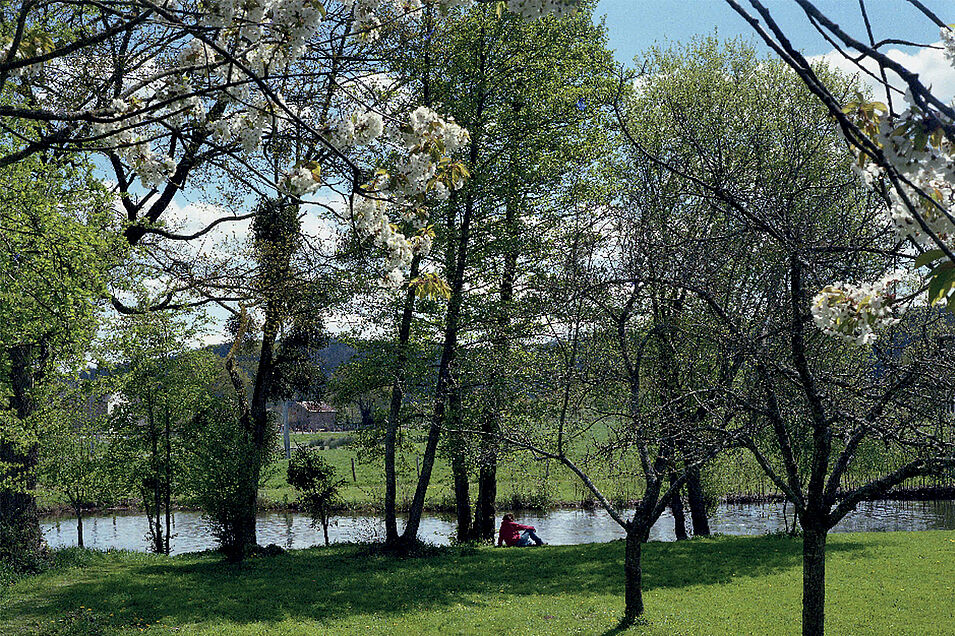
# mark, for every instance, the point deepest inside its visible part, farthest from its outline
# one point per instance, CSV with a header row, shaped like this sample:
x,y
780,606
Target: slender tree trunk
x,y
813,580
484,508
438,418
459,471
446,372
679,519
698,515
79,526
462,497
325,530
633,574
394,413
20,535
458,446
167,485
157,492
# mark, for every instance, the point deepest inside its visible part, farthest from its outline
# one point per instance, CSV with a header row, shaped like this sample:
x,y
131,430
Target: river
x,y
127,531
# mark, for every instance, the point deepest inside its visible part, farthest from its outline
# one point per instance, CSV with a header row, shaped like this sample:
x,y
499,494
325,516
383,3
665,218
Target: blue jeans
x,y
527,537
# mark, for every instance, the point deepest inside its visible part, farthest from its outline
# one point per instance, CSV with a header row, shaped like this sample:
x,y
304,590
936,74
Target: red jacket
x,y
511,532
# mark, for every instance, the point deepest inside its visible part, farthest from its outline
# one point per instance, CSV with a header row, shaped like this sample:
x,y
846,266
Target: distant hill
x,y
330,356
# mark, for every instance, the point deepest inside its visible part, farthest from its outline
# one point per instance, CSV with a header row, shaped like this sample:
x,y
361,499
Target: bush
x,y
219,473
309,473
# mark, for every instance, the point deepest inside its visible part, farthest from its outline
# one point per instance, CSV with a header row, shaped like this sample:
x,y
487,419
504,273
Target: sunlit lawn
x,y
892,583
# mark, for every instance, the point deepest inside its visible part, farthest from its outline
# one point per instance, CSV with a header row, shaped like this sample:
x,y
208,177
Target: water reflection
x,y
558,527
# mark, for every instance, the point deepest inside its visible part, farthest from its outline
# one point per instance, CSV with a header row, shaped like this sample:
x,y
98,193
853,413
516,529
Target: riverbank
x,y
878,583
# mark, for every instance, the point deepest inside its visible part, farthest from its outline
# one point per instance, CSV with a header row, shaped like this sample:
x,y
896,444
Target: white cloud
x,y
195,216
928,63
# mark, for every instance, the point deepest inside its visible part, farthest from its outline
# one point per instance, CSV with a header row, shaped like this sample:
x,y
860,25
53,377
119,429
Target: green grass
x,y
521,479
893,583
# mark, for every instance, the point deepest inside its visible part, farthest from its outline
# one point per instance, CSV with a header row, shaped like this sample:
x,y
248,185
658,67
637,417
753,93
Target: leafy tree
x,y
217,471
77,452
56,249
531,89
163,383
751,139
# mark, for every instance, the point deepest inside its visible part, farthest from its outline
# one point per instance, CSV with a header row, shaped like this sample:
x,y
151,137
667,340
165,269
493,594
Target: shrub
x,y
218,475
315,478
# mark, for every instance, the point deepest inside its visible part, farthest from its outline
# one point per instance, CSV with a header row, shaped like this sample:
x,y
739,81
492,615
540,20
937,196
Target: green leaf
x,y
941,285
928,257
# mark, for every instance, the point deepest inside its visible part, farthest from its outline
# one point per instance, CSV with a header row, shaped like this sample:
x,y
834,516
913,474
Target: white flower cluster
x,y
423,172
357,129
302,180
948,41
125,136
428,139
926,164
536,8
371,219
855,313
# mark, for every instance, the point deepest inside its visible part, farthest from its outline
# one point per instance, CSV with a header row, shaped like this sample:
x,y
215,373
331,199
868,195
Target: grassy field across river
x,y
878,583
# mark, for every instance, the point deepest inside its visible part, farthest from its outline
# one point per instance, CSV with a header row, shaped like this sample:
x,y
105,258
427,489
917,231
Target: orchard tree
x,y
757,145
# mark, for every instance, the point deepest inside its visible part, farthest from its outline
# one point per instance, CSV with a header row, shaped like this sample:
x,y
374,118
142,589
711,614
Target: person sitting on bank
x,y
516,534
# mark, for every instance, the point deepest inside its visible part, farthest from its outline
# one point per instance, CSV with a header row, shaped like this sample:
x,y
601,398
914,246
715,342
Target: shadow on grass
x,y
333,583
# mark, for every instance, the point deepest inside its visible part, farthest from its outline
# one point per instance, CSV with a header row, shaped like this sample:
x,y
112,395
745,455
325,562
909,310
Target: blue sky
x,y
636,24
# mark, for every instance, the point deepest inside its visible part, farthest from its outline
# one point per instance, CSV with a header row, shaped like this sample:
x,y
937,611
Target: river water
x,y
127,531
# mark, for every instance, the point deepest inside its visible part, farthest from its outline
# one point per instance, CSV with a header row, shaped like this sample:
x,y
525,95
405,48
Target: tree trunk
x,y
159,543
446,373
698,515
167,485
813,580
633,574
459,465
256,424
394,413
679,519
325,530
462,495
484,507
79,527
20,535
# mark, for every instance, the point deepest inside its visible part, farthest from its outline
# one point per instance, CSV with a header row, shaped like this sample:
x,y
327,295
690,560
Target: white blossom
x,y
855,313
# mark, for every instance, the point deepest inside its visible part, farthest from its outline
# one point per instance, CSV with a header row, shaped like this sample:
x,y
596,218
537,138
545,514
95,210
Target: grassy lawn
x,y
892,583
520,478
